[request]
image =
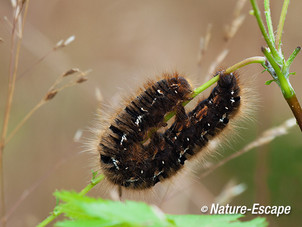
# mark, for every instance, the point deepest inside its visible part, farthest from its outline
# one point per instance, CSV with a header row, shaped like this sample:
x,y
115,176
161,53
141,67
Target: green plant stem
x,y
281,24
291,58
233,68
203,87
284,84
276,65
57,210
49,219
257,59
212,81
286,88
209,83
196,92
93,182
269,23
264,32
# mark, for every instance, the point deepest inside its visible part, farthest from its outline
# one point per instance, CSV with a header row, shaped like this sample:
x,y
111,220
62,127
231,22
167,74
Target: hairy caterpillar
x,y
127,161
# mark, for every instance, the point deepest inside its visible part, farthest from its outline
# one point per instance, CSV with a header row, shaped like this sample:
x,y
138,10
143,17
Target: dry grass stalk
x,y
35,185
10,25
203,45
265,138
63,43
68,40
81,80
78,136
57,46
17,27
13,66
52,92
219,59
231,30
14,3
78,75
49,96
98,95
71,71
229,192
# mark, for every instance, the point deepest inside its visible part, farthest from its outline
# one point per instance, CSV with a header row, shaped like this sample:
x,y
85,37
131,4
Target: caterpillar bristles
x,y
231,133
127,161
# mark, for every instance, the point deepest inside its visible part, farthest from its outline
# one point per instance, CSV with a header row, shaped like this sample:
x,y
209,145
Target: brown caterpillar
x,y
128,162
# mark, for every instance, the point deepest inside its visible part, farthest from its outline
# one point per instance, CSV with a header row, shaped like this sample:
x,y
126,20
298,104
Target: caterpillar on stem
x,y
137,149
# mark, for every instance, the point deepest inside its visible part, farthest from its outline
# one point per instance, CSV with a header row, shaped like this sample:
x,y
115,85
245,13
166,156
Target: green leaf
x,y
94,174
84,223
82,211
110,213
269,82
215,221
265,68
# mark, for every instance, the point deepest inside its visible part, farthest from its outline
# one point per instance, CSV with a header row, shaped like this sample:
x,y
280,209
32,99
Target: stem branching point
x,y
275,62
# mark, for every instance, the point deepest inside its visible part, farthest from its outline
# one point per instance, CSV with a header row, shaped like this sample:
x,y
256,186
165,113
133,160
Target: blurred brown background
x,y
124,42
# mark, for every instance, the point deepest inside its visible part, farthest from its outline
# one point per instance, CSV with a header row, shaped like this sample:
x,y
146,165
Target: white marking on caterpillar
x,y
138,120
124,138
115,163
156,175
